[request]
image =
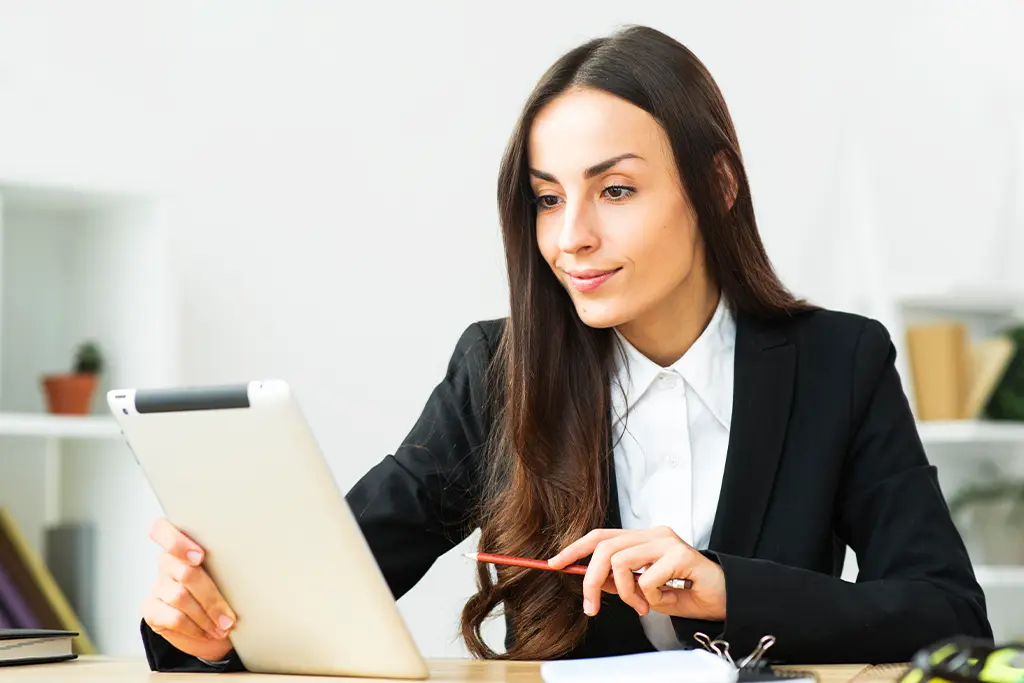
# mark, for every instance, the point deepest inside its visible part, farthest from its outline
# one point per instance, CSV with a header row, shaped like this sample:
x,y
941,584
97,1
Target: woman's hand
x,y
663,556
185,606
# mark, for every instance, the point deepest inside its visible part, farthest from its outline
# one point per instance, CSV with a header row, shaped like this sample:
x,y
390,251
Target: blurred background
x,y
205,192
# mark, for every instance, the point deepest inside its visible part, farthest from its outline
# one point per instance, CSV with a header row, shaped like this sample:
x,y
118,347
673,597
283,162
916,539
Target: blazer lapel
x,y
765,368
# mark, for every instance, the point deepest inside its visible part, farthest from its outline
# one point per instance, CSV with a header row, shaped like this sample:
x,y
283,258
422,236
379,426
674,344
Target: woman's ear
x,y
727,180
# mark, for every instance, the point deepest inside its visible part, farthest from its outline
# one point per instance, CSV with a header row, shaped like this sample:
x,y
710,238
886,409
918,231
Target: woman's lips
x,y
589,280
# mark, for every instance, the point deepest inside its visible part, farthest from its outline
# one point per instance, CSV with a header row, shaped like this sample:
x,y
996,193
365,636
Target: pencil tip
x,y
471,556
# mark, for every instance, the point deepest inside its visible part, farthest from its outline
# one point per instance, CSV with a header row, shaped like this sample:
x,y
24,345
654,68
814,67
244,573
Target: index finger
x,y
583,546
175,542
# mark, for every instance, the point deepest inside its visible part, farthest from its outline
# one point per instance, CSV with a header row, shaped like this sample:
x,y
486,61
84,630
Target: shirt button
x,y
668,380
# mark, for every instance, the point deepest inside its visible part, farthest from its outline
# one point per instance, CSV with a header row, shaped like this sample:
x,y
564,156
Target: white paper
x,y
670,666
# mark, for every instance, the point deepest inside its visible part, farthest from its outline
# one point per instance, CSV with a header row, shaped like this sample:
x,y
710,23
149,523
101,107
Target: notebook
x,y
35,646
669,666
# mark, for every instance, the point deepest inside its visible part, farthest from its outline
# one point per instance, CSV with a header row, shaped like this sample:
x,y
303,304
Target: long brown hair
x,y
546,480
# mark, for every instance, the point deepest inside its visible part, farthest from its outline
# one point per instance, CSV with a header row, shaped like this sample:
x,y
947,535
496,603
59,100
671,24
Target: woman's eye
x,y
548,201
619,192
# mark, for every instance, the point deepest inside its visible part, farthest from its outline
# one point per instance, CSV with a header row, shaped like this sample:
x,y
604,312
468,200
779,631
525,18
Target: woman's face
x,y
613,221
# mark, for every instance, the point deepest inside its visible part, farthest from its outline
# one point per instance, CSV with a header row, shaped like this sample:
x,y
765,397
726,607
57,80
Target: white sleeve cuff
x,y
218,664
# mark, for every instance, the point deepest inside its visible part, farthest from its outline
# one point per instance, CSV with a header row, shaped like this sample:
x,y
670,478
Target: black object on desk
x,y
20,646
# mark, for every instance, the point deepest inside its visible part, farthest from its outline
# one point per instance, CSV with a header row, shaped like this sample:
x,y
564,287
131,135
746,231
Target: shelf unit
x,y
977,303
985,313
80,262
76,264
961,445
1007,576
59,426
941,433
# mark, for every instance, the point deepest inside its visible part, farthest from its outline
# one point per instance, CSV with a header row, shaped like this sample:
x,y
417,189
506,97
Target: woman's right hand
x,y
185,606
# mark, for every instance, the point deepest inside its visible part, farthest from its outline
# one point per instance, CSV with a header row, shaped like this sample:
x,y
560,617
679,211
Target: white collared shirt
x,y
670,449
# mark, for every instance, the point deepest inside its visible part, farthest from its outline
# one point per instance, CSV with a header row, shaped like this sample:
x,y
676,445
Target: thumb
x,y
670,597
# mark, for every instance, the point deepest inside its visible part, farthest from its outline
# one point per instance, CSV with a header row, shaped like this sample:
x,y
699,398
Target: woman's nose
x,y
577,231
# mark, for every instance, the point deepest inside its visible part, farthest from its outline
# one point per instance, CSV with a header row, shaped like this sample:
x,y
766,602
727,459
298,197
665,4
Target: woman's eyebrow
x,y
596,169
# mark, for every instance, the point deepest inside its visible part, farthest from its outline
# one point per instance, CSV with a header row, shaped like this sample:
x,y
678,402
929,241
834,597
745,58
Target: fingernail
x,y
224,621
194,556
220,633
588,608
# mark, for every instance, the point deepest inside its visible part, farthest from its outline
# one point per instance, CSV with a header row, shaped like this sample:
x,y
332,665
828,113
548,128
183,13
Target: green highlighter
x,y
967,660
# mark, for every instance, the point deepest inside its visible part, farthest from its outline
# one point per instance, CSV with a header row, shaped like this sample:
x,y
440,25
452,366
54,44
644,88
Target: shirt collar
x,y
707,367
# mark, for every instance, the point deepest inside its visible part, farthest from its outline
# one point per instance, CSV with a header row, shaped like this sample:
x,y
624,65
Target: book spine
x,y
14,605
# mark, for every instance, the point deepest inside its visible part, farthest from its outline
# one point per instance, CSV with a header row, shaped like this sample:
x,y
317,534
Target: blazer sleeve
x,y
915,584
413,505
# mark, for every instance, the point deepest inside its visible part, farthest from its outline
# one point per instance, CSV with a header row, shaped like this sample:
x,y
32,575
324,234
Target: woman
x,y
656,398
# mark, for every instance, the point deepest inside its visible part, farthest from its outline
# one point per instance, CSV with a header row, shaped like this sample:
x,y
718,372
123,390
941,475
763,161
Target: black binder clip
x,y
752,662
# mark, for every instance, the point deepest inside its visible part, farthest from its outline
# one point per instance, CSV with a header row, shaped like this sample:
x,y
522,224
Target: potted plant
x,y
1007,401
71,393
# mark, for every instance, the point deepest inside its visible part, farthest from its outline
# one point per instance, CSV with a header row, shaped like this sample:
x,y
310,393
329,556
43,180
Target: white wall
x,y
332,167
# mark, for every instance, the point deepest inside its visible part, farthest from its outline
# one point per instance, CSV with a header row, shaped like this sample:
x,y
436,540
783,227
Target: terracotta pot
x,y
70,394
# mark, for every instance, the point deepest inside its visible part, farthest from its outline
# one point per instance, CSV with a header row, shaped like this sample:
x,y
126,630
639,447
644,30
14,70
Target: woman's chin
x,y
600,314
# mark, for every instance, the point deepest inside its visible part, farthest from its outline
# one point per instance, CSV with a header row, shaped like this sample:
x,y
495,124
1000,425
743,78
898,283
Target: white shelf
x,y
971,432
1000,304
999,576
59,426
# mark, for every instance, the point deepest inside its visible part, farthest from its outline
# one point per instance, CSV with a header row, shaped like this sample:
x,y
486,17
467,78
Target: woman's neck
x,y
666,332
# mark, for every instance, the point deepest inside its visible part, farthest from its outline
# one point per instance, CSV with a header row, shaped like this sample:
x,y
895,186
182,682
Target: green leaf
x,y
1007,400
88,359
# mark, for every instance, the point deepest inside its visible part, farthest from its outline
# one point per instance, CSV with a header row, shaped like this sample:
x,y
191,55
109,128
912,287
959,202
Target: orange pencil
x,y
571,569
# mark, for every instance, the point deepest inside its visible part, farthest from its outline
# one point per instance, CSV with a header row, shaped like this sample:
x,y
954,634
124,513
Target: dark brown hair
x,y
546,483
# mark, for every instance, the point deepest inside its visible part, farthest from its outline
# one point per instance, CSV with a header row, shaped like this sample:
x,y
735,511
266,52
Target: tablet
x,y
238,470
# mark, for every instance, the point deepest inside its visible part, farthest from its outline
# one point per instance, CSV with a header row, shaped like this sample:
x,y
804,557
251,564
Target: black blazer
x,y
823,453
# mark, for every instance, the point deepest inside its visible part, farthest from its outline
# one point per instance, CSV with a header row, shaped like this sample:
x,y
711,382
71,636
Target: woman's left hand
x,y
615,553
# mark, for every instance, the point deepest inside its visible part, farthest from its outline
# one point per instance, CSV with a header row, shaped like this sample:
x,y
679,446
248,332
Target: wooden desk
x,y
112,670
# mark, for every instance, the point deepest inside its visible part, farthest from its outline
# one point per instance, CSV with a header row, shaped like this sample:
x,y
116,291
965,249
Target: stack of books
x,y
30,597
953,376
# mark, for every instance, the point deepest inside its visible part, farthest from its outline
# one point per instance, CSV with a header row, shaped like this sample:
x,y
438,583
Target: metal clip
x,y
754,657
705,642
717,647
721,648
